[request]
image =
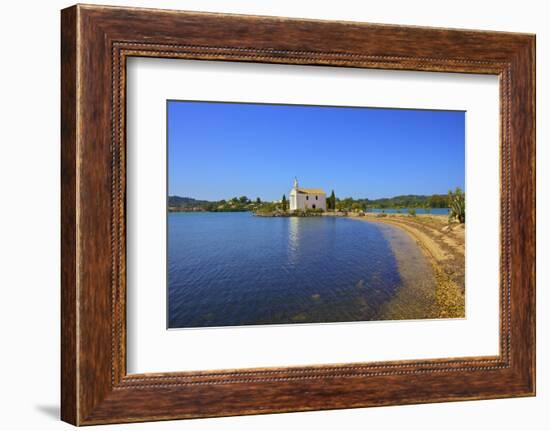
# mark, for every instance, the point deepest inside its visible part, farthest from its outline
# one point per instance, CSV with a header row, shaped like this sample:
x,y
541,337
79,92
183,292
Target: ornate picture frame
x,y
96,41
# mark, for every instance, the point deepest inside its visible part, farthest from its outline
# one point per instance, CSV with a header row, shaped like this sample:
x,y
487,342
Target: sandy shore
x,y
443,245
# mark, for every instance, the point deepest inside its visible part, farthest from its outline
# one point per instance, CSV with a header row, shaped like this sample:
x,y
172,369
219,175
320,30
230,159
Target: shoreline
x,y
443,246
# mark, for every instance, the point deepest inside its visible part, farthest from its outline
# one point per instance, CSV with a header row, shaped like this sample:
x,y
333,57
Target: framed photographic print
x,y
268,215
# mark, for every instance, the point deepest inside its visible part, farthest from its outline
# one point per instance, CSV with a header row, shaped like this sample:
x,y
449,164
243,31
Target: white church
x,y
300,198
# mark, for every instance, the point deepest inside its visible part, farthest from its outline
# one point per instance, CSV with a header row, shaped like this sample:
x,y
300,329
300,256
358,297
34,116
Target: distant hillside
x,y
410,201
183,202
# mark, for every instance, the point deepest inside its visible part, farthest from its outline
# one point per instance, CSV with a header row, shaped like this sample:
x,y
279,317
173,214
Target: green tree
x,y
331,204
348,202
357,206
258,201
284,203
243,200
438,201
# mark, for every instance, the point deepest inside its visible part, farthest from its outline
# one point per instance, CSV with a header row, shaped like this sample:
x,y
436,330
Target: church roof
x,y
311,191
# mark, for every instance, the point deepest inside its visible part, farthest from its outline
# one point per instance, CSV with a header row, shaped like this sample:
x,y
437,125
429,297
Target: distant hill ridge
x,y
403,201
178,201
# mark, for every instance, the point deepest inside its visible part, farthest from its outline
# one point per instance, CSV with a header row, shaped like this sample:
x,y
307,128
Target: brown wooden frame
x,y
95,43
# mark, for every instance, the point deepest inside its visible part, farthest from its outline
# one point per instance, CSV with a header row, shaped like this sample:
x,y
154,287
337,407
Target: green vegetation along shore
x,y
244,203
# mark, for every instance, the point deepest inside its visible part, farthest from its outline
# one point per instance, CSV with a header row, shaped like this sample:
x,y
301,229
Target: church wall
x,y
304,203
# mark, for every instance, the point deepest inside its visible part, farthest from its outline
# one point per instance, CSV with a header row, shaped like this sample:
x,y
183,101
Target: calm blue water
x,y
237,269
437,211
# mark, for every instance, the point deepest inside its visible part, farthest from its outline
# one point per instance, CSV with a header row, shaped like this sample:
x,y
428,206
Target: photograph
x,y
275,215
281,214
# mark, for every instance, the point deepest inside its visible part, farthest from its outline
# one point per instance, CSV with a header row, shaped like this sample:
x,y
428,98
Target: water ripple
x,y
228,269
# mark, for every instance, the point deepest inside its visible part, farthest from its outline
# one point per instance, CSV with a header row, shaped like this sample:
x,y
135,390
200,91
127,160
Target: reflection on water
x,y
227,269
293,225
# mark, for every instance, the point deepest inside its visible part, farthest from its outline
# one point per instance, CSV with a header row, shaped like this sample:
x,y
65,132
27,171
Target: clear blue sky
x,y
220,150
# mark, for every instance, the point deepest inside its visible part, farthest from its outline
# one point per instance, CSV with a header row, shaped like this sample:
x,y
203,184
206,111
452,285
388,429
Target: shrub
x,y
457,206
412,212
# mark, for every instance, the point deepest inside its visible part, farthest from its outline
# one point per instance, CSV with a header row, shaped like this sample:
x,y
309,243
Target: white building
x,y
300,199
